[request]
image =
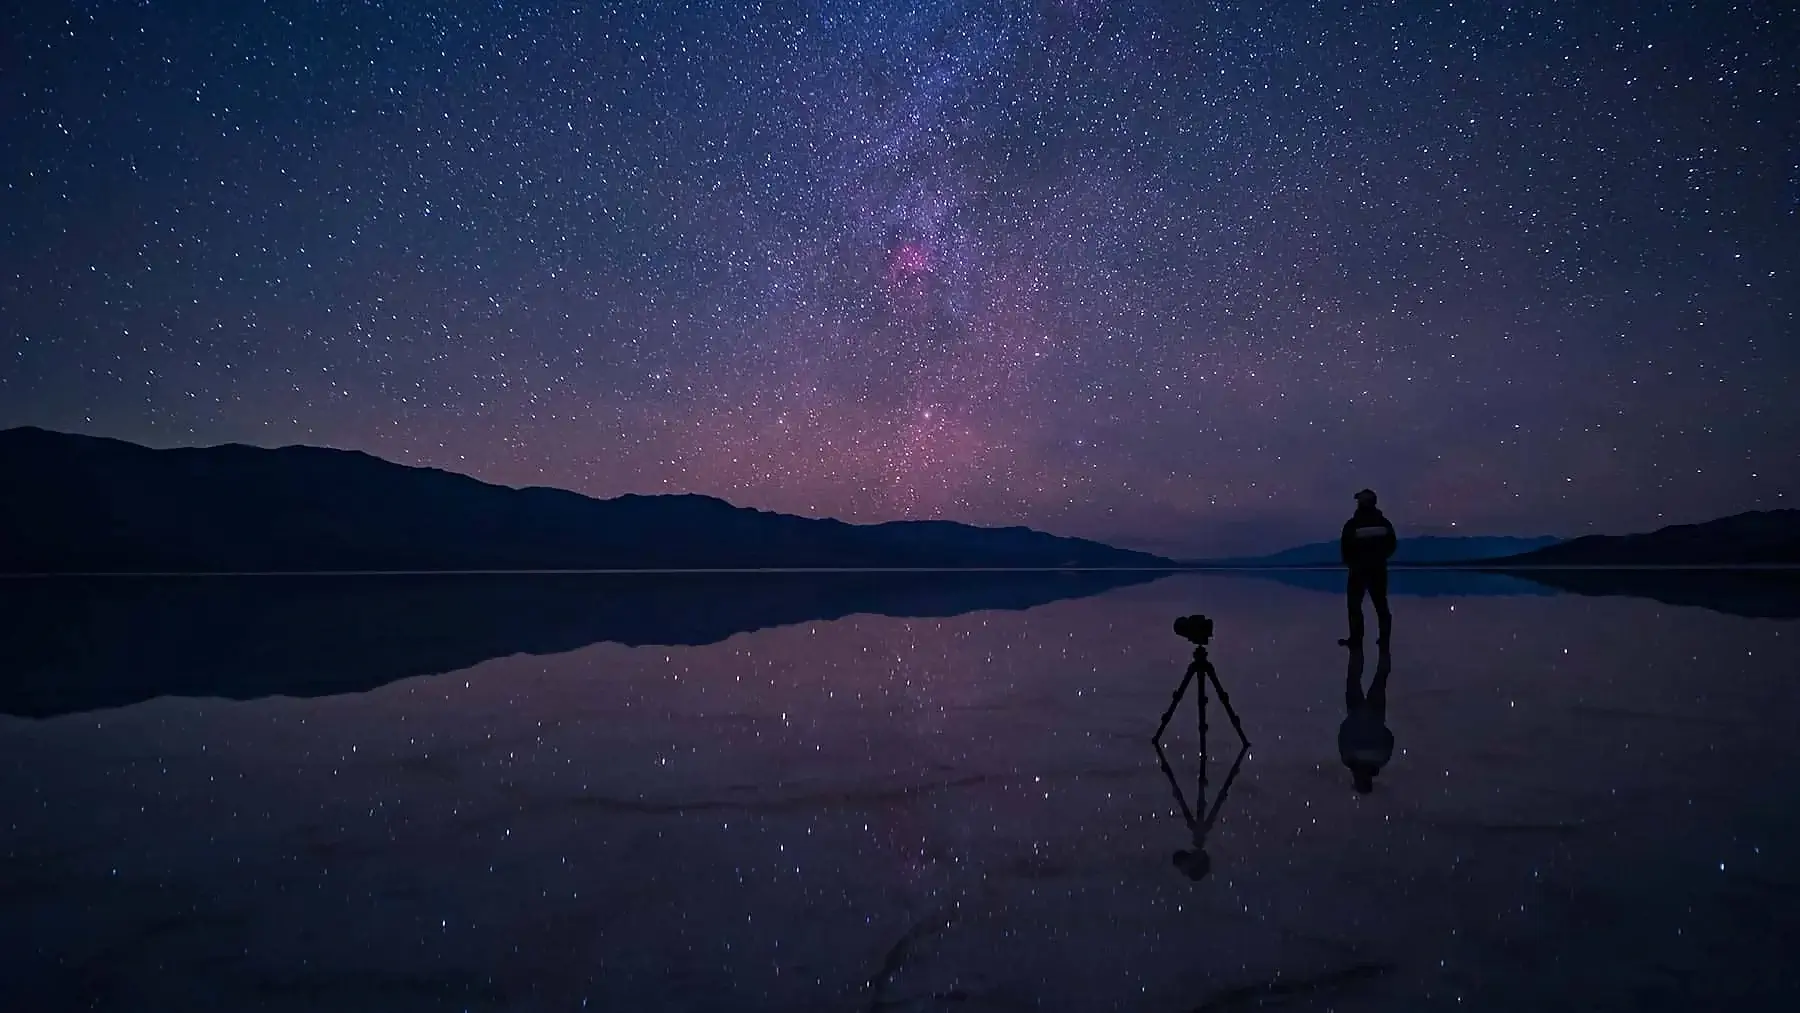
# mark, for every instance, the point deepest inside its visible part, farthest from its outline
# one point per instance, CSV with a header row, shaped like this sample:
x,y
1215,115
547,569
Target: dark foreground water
x,y
1591,802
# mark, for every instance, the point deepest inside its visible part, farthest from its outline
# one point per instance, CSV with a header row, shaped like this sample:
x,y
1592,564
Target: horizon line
x,y
1454,567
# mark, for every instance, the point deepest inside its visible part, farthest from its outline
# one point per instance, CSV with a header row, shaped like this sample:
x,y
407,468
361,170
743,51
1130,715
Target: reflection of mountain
x,y
1755,594
75,644
1761,537
81,504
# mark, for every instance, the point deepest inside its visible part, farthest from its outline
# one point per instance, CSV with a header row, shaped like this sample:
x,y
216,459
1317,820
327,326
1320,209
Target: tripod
x,y
1201,666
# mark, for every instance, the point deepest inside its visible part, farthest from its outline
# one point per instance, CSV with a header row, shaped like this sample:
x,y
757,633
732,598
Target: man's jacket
x,y
1368,540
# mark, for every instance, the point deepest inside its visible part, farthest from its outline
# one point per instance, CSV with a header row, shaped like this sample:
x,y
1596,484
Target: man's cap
x,y
1366,495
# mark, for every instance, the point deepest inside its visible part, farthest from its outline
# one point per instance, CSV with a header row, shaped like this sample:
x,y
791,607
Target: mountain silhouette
x,y
1420,583
73,644
83,504
1421,550
1758,538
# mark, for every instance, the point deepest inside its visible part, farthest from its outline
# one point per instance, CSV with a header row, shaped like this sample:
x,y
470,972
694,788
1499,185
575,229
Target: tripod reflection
x,y
1194,861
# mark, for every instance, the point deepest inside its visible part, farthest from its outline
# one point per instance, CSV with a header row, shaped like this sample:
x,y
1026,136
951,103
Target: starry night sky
x,y
1182,276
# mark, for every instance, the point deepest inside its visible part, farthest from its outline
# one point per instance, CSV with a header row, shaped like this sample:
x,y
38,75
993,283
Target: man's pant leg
x,y
1378,587
1353,590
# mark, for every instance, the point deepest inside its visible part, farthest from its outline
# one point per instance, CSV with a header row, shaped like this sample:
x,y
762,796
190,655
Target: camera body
x,y
1195,629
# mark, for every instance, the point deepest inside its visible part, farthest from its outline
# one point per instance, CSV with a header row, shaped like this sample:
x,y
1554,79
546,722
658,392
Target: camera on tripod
x,y
1198,630
1195,629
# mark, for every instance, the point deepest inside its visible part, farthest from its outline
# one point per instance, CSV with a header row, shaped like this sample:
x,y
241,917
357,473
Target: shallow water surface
x,y
1590,803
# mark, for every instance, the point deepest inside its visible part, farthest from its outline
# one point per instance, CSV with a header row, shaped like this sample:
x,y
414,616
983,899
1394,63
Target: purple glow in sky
x,y
1179,276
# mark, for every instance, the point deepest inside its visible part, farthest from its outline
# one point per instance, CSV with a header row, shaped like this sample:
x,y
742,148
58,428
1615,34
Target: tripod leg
x,y
1174,699
1225,698
1200,713
1200,788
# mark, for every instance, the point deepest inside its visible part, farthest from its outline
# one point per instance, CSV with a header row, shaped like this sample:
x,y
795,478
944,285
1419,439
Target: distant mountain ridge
x,y
83,504
1423,550
1756,538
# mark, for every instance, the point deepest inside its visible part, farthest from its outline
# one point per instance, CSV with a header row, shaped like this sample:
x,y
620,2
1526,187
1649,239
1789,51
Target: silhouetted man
x,y
1364,742
1367,542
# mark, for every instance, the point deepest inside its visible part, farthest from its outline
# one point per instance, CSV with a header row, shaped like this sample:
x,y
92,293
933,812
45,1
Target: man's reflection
x,y
1364,742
